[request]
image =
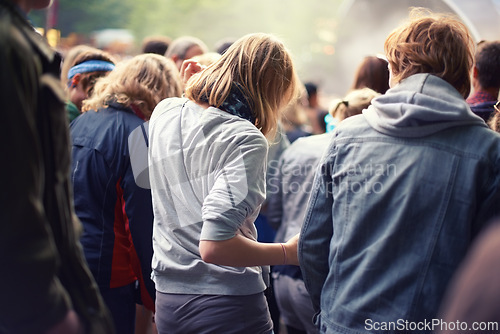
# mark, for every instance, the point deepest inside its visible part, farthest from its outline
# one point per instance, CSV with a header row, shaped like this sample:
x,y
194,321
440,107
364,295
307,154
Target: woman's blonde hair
x,y
261,67
294,114
142,81
438,44
494,121
352,104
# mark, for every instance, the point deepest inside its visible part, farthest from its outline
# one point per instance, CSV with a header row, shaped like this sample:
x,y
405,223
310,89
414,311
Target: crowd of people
x,y
184,190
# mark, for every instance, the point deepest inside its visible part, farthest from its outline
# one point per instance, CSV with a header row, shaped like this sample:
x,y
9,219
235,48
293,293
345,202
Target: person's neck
x,y
491,91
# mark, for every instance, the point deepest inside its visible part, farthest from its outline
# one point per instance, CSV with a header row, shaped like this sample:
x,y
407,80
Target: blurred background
x,y
328,38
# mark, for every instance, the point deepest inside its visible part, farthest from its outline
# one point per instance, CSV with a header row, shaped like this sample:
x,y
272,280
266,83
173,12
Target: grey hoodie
x,y
420,105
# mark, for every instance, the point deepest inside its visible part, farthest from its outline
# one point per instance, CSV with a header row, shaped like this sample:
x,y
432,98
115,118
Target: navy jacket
x,y
113,209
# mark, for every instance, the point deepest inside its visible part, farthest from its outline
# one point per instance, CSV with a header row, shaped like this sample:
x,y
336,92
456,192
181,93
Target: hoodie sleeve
x,y
239,187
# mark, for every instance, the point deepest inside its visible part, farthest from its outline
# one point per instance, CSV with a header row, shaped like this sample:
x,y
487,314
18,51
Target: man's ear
x,y
75,80
177,60
474,72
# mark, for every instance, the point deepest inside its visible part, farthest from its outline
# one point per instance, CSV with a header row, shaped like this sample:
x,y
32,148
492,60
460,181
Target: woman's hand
x,y
240,251
189,68
69,325
291,247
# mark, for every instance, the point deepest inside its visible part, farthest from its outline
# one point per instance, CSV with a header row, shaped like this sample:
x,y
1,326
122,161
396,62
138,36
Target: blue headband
x,y
91,66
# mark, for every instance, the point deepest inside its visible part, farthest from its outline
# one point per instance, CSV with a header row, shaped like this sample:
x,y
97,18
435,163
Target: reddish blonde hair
x,y
438,44
262,66
143,80
494,121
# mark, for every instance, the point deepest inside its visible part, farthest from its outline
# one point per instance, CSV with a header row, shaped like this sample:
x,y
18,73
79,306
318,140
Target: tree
x,y
84,17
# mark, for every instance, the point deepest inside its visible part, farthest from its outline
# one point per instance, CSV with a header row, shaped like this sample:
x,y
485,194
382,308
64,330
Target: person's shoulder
x,y
167,105
356,124
171,102
308,147
19,37
13,41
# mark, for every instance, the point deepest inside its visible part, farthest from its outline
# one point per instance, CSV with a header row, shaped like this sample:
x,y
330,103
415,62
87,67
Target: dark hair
x,y
93,54
181,45
487,62
224,44
373,73
311,88
88,79
156,44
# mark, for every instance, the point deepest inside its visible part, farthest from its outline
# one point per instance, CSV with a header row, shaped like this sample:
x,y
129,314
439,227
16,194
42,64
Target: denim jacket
x,y
399,195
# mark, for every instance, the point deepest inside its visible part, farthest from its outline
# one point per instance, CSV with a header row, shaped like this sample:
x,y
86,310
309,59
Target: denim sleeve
x,y
316,233
489,208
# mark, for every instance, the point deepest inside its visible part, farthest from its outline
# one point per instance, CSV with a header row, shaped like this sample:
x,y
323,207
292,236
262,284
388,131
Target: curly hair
x,y
262,66
438,44
143,81
494,121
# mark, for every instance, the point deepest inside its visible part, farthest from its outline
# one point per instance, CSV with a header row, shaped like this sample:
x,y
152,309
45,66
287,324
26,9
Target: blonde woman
x,y
116,213
207,170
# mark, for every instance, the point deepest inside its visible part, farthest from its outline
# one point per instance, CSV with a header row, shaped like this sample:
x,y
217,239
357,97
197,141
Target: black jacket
x,y
43,271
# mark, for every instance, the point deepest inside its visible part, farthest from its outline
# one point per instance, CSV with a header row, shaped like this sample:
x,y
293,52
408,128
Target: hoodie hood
x,y
419,106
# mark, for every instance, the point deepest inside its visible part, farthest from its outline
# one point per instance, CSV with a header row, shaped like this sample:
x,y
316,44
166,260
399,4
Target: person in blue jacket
x,y
113,205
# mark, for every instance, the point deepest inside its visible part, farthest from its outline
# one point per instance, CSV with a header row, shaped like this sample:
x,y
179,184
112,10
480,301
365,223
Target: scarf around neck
x,y
237,104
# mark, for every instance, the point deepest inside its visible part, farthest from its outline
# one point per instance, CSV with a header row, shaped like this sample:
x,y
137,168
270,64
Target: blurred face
x,y
77,93
194,50
28,5
392,83
39,4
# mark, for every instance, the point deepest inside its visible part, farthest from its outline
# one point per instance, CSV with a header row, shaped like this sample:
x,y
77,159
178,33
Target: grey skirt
x,y
200,314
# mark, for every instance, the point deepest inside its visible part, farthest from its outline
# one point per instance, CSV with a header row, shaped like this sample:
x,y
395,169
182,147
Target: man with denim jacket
x,y
402,190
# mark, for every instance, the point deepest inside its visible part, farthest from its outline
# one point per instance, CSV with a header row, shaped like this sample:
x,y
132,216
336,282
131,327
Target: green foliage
x,y
306,27
84,17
